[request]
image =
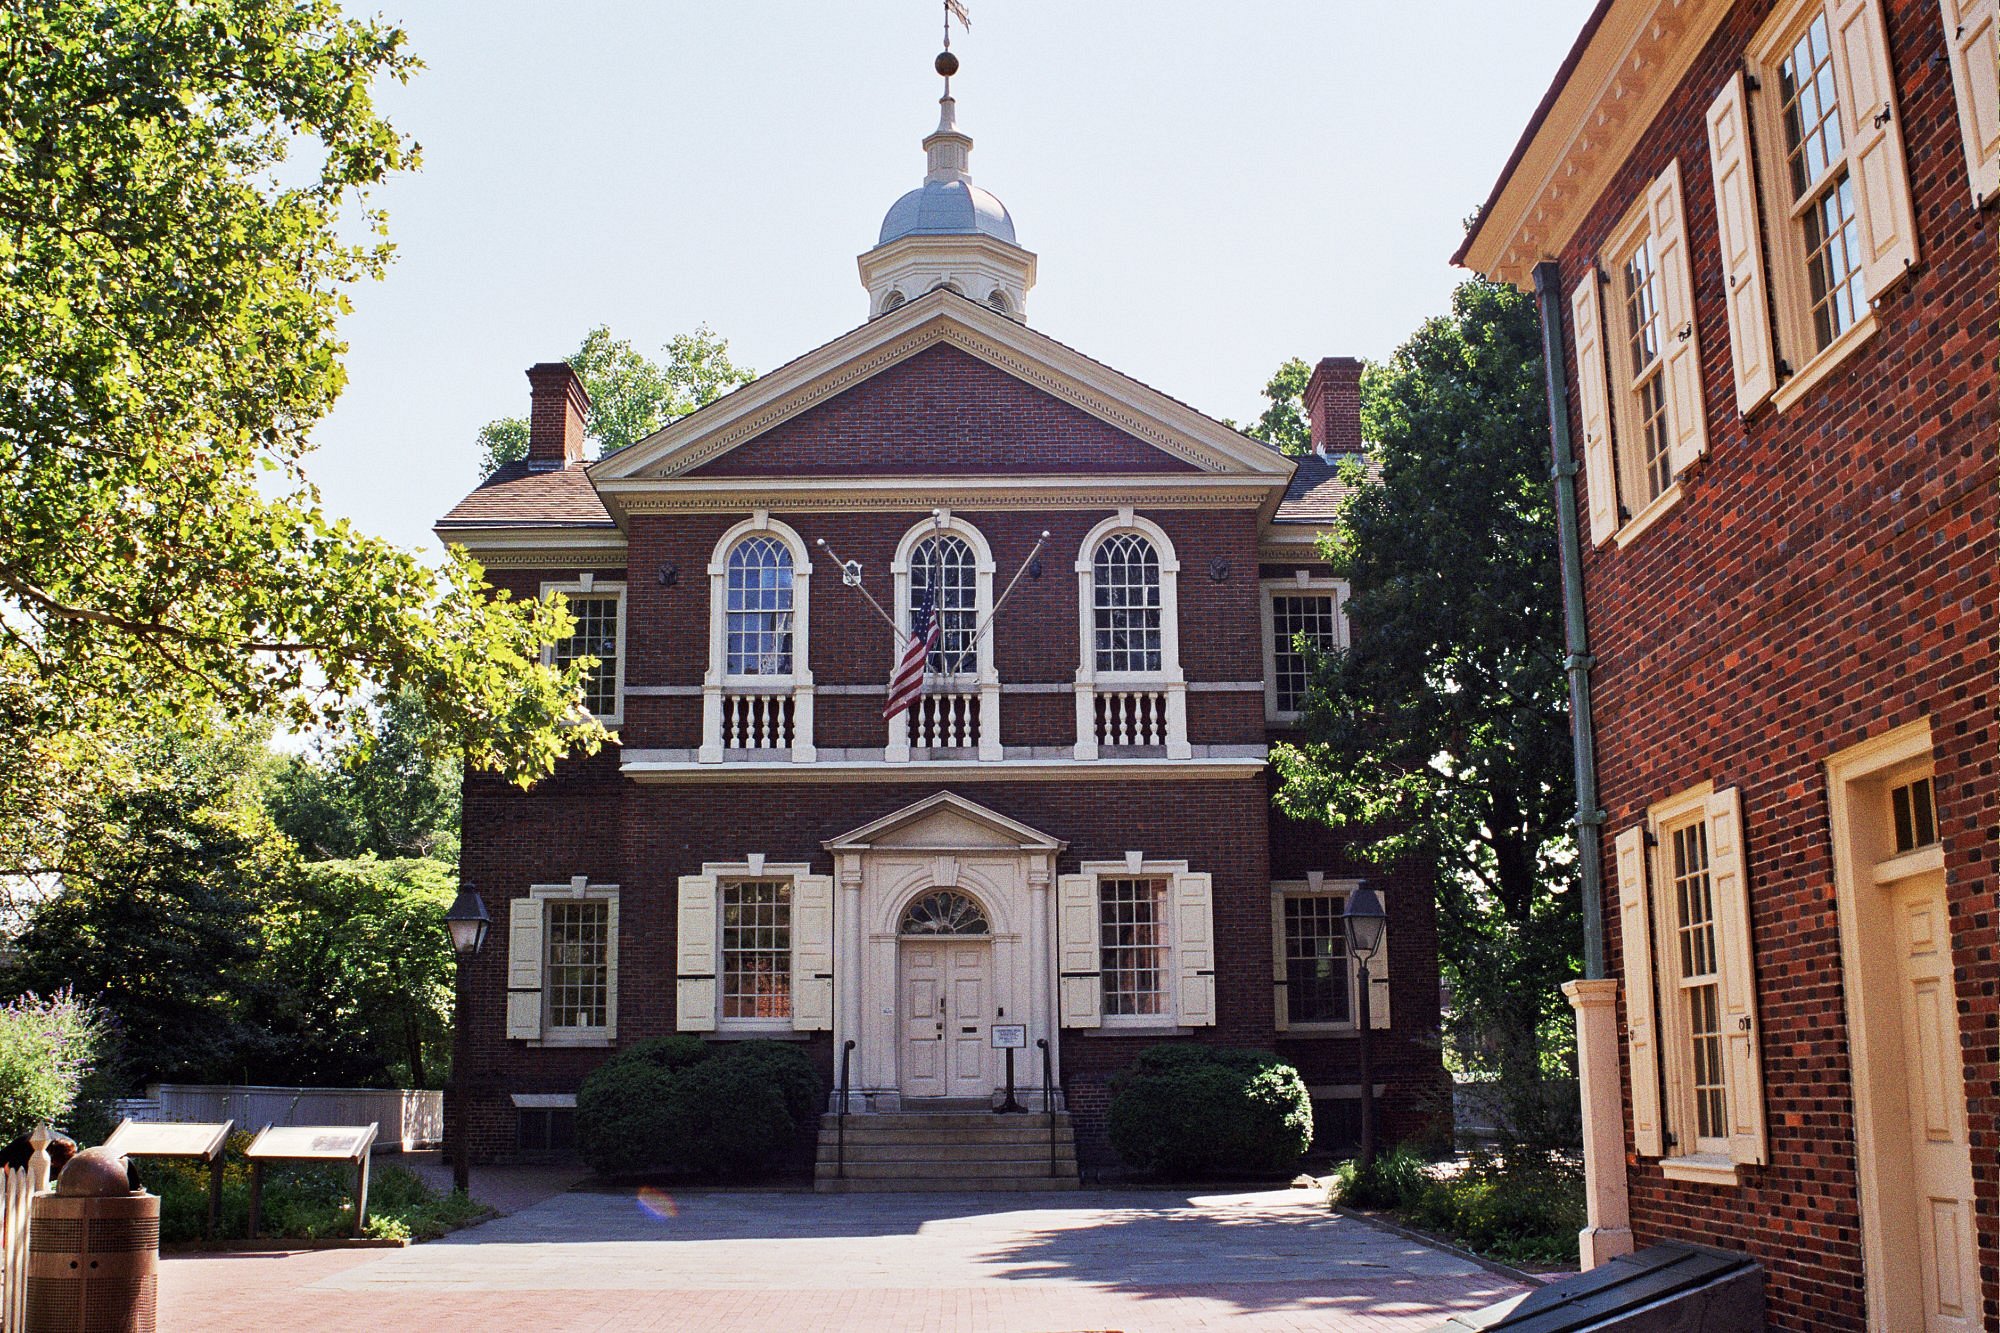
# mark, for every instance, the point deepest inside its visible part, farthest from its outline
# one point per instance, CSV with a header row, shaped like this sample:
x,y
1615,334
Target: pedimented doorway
x,y
948,1005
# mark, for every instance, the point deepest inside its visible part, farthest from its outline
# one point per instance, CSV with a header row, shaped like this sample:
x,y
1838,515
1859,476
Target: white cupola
x,y
948,232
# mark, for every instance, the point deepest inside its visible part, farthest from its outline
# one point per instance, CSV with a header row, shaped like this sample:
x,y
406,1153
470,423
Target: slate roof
x,y
1316,490
514,496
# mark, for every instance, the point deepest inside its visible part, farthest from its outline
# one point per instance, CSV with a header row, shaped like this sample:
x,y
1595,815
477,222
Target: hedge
x,y
1193,1110
684,1106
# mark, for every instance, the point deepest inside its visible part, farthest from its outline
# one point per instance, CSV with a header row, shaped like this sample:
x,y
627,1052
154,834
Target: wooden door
x,y
971,1012
924,1019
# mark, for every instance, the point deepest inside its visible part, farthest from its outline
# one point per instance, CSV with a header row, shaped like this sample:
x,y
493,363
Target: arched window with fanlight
x,y
945,561
944,570
758,694
760,608
1126,628
1131,698
944,912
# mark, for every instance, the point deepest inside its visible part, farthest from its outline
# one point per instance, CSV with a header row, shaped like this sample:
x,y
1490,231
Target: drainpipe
x,y
1607,1204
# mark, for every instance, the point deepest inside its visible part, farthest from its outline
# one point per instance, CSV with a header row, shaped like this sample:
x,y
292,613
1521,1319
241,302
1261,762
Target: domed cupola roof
x,y
948,208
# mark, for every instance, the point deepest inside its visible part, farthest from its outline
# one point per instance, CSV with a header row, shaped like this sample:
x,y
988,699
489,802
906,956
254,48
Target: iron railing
x,y
1049,1098
840,1117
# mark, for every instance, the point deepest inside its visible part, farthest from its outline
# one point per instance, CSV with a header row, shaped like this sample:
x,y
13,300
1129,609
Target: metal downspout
x,y
1589,822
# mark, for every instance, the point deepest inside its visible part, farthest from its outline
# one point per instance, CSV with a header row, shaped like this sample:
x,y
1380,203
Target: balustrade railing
x,y
944,721
757,721
1132,717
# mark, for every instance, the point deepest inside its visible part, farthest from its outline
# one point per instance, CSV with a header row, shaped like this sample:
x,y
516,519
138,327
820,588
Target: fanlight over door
x,y
944,912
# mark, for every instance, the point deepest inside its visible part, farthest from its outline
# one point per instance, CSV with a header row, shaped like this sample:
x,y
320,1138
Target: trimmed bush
x,y
1188,1109
690,1107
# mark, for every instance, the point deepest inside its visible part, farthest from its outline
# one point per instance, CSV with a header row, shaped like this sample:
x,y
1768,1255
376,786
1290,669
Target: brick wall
x,y
1828,575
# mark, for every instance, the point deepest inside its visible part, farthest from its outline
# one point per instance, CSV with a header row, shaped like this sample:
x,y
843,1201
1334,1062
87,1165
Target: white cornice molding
x,y
848,494
639,767
1638,56
512,546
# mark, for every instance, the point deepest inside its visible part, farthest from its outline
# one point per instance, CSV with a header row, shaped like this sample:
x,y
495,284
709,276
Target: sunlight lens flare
x,y
657,1203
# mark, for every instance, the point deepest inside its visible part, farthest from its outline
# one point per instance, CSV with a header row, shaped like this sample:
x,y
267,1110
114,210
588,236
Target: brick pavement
x,y
1130,1260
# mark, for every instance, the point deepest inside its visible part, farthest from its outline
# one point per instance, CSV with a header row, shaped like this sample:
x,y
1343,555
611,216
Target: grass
x,y
305,1202
1520,1206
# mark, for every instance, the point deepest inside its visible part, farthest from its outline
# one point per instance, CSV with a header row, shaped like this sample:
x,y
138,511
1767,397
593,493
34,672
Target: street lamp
x,y
468,923
1365,921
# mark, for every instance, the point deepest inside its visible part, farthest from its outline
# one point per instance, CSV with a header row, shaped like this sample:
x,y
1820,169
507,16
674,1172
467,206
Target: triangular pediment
x,y
945,822
945,326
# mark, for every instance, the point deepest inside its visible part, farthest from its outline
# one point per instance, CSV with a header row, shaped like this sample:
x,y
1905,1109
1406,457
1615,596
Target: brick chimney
x,y
558,408
1333,402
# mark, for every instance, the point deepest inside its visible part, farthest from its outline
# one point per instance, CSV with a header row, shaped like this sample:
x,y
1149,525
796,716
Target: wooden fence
x,y
17,1193
411,1118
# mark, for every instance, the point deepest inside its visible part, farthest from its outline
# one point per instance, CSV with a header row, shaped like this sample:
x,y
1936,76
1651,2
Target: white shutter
x,y
1080,992
611,968
1642,1031
1600,479
1750,351
1687,413
695,955
1972,36
524,969
1194,948
1742,1066
1280,997
812,953
1874,128
1378,975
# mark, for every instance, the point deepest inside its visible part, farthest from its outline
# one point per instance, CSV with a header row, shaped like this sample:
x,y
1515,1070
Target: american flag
x,y
907,685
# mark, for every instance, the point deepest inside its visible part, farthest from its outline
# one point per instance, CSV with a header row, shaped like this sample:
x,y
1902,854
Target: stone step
x,y
917,1137
954,1121
969,1173
907,1186
948,1152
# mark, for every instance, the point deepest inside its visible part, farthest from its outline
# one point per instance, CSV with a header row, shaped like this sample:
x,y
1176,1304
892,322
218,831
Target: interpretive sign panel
x,y
1010,1036
311,1143
150,1138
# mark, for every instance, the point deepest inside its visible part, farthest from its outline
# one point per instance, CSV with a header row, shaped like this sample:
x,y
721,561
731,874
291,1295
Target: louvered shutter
x,y
1874,130
524,969
812,953
1742,1064
1750,351
1080,994
1972,37
1280,997
611,968
695,955
1600,478
1194,948
1642,1039
1687,413
1378,975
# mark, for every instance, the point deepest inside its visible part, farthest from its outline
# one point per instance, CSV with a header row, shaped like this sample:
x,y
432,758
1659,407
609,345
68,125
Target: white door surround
x,y
882,971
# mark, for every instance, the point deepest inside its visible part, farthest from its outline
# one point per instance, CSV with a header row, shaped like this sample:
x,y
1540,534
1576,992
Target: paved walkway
x,y
1097,1260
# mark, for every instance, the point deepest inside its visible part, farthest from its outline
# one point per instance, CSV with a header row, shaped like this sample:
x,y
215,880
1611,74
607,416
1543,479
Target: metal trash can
x,y
94,1251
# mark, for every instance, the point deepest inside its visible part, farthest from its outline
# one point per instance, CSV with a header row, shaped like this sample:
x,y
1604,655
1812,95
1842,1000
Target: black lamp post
x,y
1365,920
468,923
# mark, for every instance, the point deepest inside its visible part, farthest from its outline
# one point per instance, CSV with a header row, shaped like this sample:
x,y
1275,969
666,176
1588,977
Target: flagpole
x,y
850,574
1034,551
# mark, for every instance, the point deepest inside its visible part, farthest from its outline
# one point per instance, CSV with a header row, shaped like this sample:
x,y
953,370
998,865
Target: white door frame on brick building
x,y
947,844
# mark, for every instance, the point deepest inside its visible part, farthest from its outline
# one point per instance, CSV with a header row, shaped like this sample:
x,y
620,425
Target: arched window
x,y
891,301
1125,579
944,565
998,300
944,912
759,626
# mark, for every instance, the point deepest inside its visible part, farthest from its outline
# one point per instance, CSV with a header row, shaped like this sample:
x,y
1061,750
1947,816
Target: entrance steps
x,y
948,1150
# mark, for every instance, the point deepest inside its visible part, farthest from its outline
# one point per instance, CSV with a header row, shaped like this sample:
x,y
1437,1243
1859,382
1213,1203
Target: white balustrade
x,y
1132,717
757,721
944,721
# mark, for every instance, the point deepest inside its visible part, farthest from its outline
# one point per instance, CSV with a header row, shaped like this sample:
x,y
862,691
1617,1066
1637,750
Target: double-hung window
x,y
1131,697
757,948
757,694
1643,370
760,608
1127,609
1316,979
577,979
753,949
562,964
598,608
1303,617
1819,193
944,568
1132,946
1135,945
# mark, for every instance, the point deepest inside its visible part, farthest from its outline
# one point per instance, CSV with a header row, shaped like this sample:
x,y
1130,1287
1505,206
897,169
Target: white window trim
x,y
717,681
1282,889
985,676
579,889
1301,582
1168,678
721,872
587,584
1135,868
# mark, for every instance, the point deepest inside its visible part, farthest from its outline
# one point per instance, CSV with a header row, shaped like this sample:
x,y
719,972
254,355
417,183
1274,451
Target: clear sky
x,y
1210,187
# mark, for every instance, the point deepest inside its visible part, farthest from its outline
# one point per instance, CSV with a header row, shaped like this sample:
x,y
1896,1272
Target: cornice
x,y
519,547
820,494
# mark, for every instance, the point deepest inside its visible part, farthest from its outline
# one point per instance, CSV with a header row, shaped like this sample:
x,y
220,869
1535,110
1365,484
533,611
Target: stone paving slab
x,y
1100,1260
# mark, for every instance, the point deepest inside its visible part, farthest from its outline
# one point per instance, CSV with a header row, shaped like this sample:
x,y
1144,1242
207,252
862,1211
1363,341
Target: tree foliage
x,y
1284,423
379,789
1443,731
631,395
184,209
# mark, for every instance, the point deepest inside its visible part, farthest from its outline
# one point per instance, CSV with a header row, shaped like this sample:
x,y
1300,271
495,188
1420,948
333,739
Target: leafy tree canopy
x,y
381,789
631,395
1443,731
183,211
1284,422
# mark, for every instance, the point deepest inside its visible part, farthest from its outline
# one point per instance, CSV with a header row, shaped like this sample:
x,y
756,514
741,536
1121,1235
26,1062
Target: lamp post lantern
x,y
1365,921
468,923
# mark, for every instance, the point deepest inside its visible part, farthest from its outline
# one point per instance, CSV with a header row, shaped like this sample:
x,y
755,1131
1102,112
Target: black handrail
x,y
840,1118
1049,1098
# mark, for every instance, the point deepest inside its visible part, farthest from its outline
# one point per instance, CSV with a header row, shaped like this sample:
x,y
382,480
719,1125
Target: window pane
x,y
577,938
1132,943
1694,923
757,948
1125,575
1915,809
948,561
760,608
1293,617
1811,108
1316,967
1640,282
1833,261
596,636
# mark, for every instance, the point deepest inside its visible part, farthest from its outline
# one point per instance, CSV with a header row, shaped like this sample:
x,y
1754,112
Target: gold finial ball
x,y
947,64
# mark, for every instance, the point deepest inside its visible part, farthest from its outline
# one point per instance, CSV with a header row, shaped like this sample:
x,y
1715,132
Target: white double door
x,y
947,1013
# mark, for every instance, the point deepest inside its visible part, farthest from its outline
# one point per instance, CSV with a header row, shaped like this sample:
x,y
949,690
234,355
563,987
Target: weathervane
x,y
947,63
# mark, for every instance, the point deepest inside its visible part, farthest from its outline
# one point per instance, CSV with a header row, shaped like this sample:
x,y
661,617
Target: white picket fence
x,y
17,1192
411,1118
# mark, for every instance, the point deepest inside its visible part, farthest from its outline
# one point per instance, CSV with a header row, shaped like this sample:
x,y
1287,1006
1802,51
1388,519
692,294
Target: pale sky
x,y
1210,188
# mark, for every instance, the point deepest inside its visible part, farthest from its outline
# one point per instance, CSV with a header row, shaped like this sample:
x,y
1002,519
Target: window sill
x,y
1823,363
786,1033
1648,516
1910,863
1318,1030
1706,1168
1112,1029
589,1037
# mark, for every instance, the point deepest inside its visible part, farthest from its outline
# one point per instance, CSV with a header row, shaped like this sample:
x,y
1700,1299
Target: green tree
x,y
184,209
381,789
631,395
1284,422
1443,731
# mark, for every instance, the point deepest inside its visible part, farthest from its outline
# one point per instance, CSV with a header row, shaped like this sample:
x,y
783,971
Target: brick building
x,y
1763,236
1072,830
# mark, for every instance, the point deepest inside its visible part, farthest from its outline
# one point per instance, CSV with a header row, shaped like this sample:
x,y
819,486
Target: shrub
x,y
303,1202
1524,1206
1188,1110
686,1106
47,1049
1397,1179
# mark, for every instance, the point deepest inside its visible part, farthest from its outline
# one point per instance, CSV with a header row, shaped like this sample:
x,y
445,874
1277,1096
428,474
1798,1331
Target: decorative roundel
x,y
944,912
1218,570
